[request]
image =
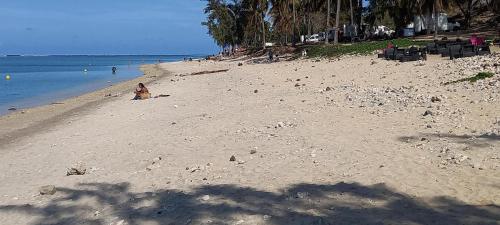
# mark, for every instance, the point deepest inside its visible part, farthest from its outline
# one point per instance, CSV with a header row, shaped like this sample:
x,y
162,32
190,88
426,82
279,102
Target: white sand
x,y
352,155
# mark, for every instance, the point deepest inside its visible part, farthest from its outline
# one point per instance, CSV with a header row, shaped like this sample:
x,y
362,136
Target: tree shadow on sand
x,y
341,203
476,141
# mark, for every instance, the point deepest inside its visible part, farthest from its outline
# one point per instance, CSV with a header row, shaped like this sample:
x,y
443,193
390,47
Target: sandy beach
x,y
354,140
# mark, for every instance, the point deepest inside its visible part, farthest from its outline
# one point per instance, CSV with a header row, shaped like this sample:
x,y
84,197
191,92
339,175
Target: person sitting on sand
x,y
141,92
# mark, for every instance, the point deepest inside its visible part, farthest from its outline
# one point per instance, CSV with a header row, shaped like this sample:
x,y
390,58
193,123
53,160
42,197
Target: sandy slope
x,y
327,142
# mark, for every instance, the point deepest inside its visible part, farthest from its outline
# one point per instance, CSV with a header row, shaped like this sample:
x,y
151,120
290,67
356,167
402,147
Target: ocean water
x,y
39,80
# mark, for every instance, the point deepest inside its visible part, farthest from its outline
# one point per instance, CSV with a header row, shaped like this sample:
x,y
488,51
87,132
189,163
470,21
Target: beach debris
x,y
161,96
232,158
428,113
78,169
207,72
47,190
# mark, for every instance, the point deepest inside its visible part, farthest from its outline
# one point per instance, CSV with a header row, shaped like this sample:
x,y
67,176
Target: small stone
x,y
48,190
205,197
435,99
256,91
429,126
232,159
240,64
297,85
78,169
280,125
428,113
253,151
241,162
328,89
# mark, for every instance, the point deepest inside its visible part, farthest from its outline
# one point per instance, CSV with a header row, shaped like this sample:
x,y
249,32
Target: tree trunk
x,y
327,21
263,31
337,18
468,14
436,20
294,24
352,12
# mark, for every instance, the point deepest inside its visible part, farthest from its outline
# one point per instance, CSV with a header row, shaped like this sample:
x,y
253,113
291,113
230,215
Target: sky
x,y
45,27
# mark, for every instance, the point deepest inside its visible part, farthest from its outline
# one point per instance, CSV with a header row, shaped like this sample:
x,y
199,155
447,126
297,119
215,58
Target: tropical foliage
x,y
252,23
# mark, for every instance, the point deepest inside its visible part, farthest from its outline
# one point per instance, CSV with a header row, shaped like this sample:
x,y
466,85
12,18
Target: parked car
x,y
315,38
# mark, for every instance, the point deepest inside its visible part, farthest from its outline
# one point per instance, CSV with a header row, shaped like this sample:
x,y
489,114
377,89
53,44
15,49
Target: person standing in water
x,y
113,69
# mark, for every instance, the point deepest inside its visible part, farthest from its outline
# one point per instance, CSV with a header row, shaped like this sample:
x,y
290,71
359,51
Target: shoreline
x,y
27,121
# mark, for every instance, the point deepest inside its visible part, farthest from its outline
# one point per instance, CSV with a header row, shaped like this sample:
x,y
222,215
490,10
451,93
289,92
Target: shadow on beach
x,y
473,141
342,203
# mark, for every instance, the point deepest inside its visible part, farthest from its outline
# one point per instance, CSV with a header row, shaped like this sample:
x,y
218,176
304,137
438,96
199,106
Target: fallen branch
x,y
208,72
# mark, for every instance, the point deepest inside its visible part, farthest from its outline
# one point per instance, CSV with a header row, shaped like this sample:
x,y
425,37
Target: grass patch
x,y
358,48
479,76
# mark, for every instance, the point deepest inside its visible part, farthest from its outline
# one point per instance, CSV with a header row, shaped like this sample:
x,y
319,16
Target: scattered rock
x,y
232,159
78,169
240,64
256,91
328,89
428,113
297,85
205,197
253,151
435,99
156,160
302,195
47,190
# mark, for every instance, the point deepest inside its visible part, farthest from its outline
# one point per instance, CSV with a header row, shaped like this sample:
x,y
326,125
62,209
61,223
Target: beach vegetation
x,y
250,24
358,48
478,76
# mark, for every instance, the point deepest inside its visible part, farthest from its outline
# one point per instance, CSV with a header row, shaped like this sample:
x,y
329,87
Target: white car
x,y
315,38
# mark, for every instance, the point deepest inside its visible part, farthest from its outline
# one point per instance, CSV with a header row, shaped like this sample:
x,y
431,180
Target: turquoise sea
x,y
39,80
